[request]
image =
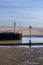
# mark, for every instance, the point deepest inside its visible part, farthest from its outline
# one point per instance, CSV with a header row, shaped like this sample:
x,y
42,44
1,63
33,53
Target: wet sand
x,y
15,55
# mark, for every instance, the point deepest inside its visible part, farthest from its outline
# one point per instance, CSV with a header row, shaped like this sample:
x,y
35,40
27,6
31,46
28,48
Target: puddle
x,y
31,63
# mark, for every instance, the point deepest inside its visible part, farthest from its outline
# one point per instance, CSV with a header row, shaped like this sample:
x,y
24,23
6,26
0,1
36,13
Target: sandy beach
x,y
23,30
16,55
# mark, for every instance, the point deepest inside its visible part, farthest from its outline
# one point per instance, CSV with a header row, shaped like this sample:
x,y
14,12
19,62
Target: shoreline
x,y
24,30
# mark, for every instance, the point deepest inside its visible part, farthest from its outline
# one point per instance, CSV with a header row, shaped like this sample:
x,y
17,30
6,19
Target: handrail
x,y
21,44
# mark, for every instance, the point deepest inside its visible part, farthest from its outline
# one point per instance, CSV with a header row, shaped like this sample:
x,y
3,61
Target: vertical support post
x,y
14,27
30,34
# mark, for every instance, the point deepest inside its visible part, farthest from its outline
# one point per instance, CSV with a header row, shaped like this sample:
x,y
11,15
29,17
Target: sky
x,y
23,12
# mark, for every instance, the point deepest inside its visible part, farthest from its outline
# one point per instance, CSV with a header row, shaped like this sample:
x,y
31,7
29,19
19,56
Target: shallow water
x,y
33,40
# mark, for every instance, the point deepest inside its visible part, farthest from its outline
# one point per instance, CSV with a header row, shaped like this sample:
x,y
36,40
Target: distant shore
x,y
24,30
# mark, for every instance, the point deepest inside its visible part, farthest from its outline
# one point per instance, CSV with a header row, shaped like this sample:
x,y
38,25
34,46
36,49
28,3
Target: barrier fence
x,y
28,31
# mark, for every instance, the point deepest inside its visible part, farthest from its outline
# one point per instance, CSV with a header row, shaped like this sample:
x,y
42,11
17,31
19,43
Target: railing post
x,y
30,34
14,27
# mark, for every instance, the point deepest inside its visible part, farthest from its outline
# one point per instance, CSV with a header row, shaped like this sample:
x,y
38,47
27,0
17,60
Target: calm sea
x,y
33,40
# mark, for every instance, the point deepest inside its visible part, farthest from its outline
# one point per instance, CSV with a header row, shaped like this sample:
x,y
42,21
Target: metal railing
x,y
39,29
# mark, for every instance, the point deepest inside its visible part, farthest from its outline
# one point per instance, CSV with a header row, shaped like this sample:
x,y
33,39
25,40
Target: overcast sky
x,y
24,12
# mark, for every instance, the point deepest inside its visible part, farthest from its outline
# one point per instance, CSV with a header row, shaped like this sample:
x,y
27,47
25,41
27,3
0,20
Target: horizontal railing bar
x,y
33,35
27,44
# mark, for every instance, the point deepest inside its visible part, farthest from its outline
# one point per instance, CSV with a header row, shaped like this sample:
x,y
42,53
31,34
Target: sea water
x,y
33,40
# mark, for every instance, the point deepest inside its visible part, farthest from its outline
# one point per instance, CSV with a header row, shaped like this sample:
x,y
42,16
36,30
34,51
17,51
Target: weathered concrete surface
x,y
14,55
